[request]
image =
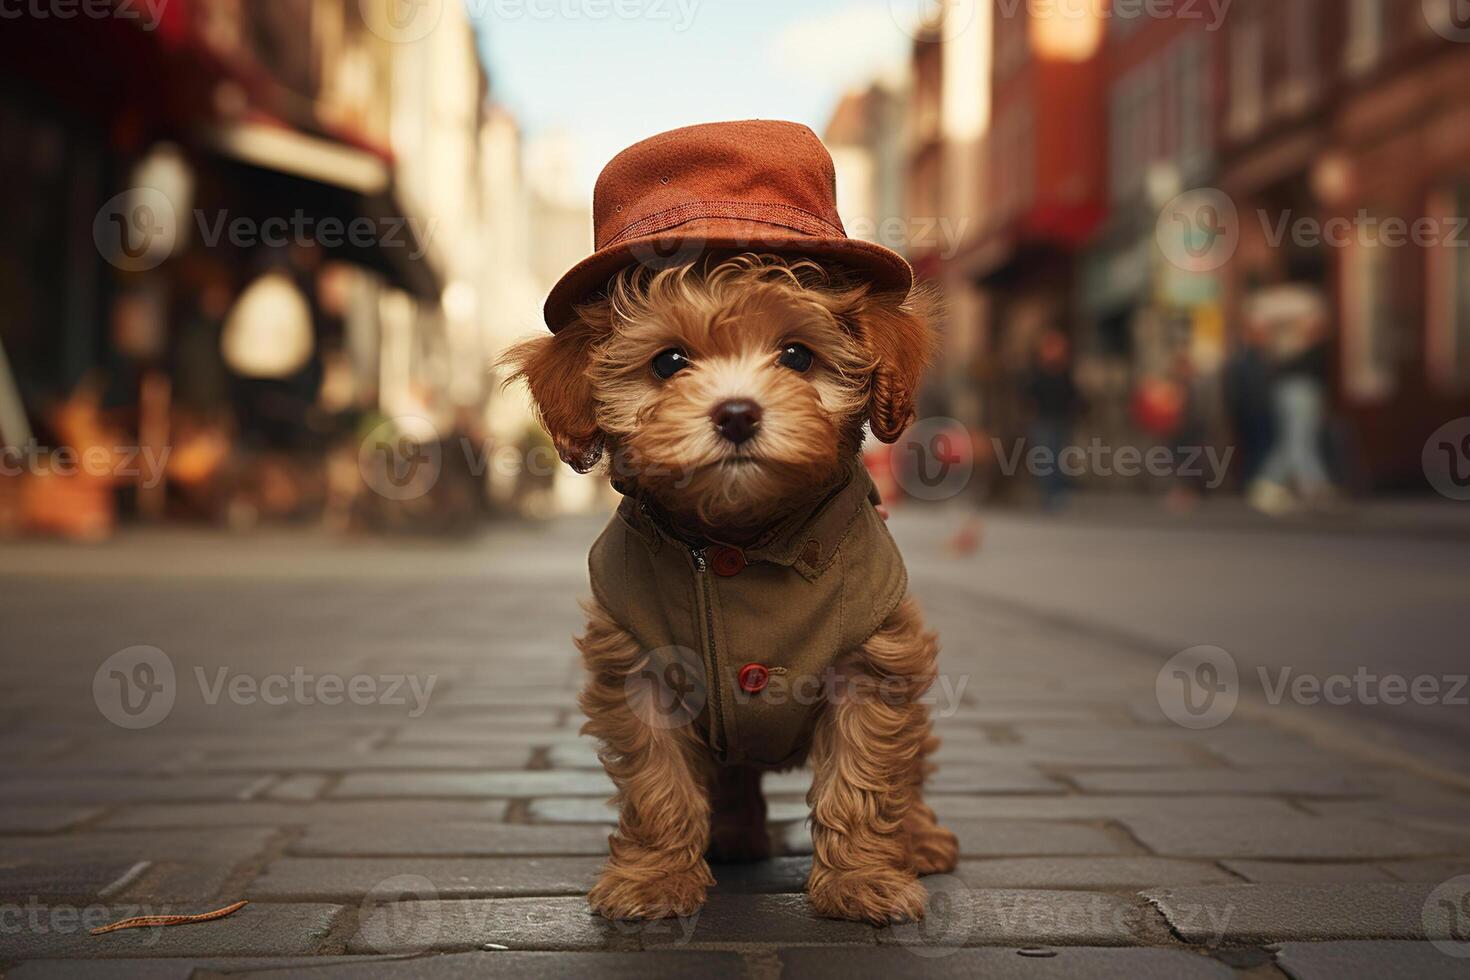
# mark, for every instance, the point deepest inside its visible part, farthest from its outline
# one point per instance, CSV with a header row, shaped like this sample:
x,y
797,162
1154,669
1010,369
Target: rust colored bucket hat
x,y
756,186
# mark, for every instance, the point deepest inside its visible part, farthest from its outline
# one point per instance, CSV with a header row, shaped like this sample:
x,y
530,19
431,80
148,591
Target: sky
x,y
580,76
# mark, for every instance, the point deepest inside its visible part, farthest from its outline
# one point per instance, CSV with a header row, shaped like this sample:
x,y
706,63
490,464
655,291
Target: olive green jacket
x,y
815,587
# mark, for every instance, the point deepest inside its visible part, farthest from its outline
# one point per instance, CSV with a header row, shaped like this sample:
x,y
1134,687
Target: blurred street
x,y
374,743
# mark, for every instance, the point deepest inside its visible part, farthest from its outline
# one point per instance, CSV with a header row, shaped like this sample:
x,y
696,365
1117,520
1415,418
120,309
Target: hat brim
x,y
885,269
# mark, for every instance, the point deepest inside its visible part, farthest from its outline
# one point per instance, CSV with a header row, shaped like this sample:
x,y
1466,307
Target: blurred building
x,y
262,221
1091,121
1351,116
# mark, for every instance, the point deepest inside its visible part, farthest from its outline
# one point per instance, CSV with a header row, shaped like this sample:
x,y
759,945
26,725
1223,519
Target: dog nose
x,y
737,420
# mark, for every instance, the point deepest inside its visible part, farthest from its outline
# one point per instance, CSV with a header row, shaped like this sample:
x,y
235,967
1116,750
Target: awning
x,y
280,173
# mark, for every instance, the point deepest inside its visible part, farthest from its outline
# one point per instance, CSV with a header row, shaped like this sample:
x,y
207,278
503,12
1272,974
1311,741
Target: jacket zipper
x,y
717,724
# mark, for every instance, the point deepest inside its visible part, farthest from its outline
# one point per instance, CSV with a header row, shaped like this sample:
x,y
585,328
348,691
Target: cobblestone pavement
x,y
376,745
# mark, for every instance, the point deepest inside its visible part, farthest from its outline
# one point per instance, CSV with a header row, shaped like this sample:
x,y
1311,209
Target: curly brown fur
x,y
600,398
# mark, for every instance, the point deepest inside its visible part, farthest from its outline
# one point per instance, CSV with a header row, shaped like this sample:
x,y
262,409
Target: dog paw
x,y
739,844
934,851
642,893
877,896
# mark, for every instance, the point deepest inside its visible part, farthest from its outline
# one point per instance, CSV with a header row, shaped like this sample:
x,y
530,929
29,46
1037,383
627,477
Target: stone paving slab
x,y
736,919
1383,960
482,839
333,813
65,882
963,916
1293,836
707,965
90,789
48,932
227,846
517,923
1068,963
1273,782
302,879
187,969
1279,913
1006,838
447,785
1089,872
43,819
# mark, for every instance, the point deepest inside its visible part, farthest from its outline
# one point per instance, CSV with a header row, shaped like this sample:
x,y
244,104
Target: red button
x,y
726,561
754,678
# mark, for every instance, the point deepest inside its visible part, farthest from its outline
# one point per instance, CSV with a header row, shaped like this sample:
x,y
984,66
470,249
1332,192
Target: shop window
x,y
1365,36
1449,290
1247,73
1370,341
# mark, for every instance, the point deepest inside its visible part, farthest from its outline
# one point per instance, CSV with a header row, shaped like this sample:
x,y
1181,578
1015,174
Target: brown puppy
x,y
730,398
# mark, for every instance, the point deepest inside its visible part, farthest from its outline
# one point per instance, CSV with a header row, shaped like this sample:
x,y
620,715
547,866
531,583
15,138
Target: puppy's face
x,y
728,394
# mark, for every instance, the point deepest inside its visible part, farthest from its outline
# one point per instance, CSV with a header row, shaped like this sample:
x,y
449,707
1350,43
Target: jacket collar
x,y
807,540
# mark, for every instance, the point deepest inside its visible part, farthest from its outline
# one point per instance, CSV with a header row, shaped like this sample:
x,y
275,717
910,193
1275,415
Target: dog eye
x,y
670,363
797,357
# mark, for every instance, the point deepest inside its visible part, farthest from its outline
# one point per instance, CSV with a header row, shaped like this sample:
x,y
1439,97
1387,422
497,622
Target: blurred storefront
x,y
241,225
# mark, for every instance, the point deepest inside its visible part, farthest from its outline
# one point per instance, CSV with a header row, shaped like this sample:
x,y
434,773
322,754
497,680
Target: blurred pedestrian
x,y
1295,471
1248,399
1055,405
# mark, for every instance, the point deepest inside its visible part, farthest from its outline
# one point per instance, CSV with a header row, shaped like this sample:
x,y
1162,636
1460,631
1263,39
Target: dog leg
x,y
867,774
657,868
738,832
932,849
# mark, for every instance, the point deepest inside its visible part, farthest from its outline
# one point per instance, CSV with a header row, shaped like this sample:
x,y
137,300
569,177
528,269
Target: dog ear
x,y
556,368
899,334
